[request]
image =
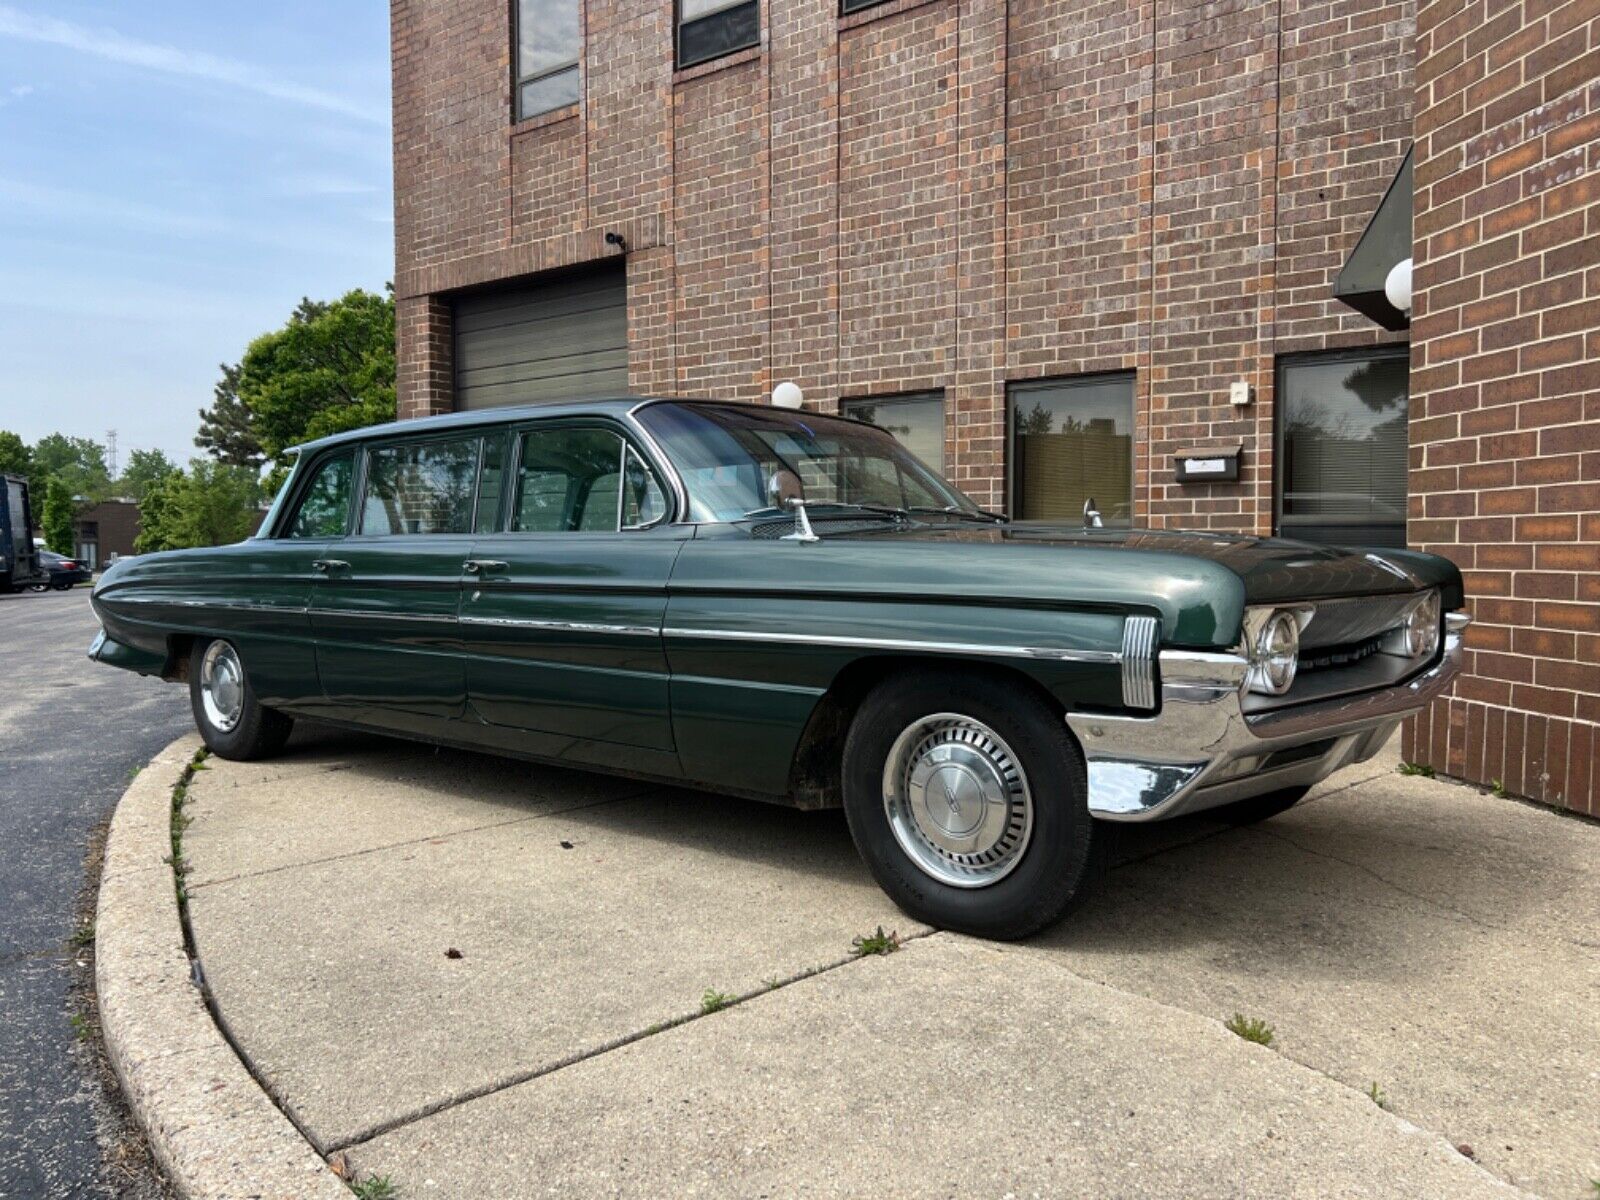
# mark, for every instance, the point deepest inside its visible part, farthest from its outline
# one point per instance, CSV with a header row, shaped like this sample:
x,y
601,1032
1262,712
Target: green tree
x,y
227,428
57,517
15,457
156,514
331,368
144,467
79,463
211,505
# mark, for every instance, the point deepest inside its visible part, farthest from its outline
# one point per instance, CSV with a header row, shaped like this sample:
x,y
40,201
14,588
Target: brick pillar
x,y
425,350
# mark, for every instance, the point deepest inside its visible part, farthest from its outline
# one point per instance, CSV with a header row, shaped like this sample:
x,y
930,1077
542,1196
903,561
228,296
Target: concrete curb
x,y
217,1135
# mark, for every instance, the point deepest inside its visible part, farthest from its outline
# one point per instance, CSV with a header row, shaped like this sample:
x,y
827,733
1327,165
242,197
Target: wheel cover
x,y
222,686
957,800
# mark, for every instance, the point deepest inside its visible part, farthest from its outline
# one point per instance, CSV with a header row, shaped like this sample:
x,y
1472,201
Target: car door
x,y
385,603
268,582
561,624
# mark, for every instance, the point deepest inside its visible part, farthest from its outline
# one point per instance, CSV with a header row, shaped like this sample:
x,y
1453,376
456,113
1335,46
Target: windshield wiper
x,y
877,510
955,510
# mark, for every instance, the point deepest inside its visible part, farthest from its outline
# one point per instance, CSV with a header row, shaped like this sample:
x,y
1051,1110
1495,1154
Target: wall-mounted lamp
x,y
1397,285
617,240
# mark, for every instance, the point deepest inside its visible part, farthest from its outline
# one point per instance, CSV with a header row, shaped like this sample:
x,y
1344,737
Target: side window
x,y
425,487
324,512
573,479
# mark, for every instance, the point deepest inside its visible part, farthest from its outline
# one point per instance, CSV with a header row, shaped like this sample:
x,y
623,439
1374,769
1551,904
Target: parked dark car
x,y
63,572
789,606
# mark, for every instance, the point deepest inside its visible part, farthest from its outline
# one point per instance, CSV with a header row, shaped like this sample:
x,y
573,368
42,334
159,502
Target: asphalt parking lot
x,y
70,734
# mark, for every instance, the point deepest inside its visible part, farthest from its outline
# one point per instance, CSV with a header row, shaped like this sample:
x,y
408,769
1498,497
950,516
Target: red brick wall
x,y
928,195
1505,409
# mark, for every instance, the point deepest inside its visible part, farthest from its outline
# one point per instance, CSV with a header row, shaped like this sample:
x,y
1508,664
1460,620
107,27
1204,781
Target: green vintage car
x,y
788,606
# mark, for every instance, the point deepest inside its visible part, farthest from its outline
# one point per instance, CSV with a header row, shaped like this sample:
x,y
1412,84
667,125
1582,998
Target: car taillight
x,y
68,565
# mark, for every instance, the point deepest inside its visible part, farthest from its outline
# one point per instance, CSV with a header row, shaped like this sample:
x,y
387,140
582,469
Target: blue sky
x,y
174,176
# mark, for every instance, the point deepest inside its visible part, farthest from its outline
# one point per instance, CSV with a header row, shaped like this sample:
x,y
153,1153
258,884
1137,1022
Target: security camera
x,y
617,240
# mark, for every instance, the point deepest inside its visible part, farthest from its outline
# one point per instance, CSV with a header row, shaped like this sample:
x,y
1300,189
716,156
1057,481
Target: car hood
x,y
1273,570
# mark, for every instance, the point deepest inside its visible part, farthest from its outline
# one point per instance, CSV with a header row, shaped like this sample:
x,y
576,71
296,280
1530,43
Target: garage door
x,y
562,340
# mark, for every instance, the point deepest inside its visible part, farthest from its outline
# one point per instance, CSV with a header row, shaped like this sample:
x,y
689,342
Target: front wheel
x,y
232,722
967,798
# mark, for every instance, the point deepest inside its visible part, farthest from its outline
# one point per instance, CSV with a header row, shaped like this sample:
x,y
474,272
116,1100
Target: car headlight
x,y
1418,635
1274,654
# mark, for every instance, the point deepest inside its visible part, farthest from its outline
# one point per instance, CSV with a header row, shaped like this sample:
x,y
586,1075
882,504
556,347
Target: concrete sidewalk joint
x,y
216,1133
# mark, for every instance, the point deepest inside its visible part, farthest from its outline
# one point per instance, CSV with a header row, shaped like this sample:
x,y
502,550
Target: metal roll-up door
x,y
566,339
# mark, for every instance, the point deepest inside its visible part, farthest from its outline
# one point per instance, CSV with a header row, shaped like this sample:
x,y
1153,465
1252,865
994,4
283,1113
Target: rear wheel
x,y
966,797
232,722
1259,808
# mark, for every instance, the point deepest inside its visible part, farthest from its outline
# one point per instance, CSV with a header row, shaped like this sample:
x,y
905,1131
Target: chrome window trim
x,y
1055,653
679,492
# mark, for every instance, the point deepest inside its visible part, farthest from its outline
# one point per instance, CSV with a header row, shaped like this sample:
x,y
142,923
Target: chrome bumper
x,y
1202,749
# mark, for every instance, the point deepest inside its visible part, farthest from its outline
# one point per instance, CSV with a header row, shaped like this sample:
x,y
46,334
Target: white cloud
x,y
22,89
112,46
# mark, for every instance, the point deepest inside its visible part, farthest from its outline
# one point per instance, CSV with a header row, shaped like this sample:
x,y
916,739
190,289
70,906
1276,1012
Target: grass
x,y
81,1028
1413,768
875,943
1378,1096
715,1001
180,822
375,1187
1251,1029
1499,789
83,936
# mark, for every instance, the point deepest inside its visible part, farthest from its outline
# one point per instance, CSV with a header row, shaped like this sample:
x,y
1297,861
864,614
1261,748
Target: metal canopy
x,y
1385,242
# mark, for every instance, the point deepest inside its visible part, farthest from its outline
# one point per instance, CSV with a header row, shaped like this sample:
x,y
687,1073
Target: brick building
x,y
1050,243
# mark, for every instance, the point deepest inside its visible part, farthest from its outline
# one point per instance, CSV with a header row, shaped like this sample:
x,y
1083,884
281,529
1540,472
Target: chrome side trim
x,y
1052,653
379,615
293,610
1138,671
564,626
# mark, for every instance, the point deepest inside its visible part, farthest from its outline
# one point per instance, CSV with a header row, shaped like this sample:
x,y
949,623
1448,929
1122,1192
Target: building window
x,y
547,55
709,29
1072,440
916,421
1342,441
846,7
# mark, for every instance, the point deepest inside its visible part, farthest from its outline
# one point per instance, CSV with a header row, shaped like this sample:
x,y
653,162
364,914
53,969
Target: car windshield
x,y
726,454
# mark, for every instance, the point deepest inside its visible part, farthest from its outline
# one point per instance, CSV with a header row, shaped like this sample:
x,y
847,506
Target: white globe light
x,y
787,395
1397,285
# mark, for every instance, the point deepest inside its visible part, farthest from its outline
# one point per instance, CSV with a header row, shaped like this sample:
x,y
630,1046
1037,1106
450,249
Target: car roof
x,y
609,406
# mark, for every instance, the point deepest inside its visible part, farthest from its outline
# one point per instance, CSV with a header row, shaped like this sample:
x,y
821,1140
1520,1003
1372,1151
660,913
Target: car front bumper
x,y
1202,749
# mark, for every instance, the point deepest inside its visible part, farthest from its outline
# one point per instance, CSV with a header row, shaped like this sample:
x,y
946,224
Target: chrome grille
x,y
1139,636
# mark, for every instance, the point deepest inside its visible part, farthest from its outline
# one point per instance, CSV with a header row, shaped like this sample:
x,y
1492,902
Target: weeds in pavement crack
x,y
1251,1029
715,1001
1378,1096
875,943
1414,768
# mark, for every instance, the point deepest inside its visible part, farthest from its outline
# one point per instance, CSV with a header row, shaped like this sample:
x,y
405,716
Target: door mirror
x,y
783,489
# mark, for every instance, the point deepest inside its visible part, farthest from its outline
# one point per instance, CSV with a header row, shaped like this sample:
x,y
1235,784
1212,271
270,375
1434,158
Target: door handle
x,y
483,566
324,566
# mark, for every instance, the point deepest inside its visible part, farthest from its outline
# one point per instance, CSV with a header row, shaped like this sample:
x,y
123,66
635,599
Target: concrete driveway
x,y
485,978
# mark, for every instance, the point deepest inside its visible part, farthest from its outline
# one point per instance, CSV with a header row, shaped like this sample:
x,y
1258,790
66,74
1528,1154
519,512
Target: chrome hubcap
x,y
222,686
957,800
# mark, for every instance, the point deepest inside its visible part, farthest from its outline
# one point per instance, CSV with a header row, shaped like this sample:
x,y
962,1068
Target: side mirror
x,y
783,489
